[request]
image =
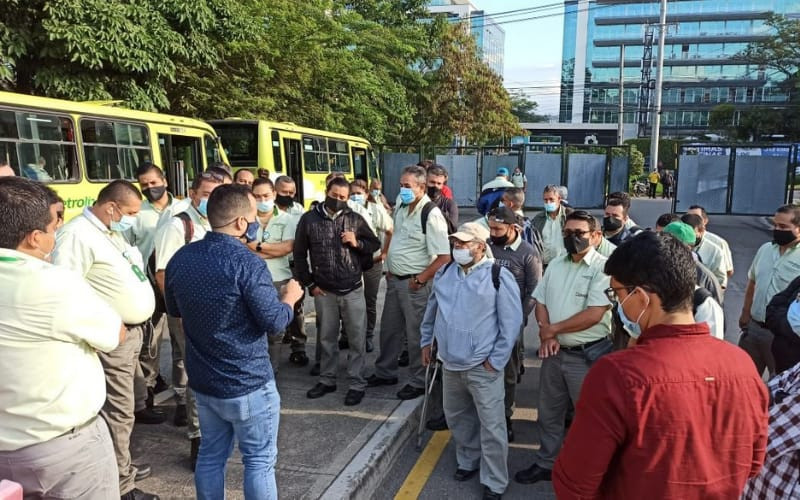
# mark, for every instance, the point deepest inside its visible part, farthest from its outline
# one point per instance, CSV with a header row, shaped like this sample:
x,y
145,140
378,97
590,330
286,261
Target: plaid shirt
x,y
780,477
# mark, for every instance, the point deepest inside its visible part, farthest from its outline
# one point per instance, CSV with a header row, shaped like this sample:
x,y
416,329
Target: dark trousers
x,y
652,191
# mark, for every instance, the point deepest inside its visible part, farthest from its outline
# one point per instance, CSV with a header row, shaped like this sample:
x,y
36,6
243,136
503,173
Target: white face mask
x,y
462,256
793,316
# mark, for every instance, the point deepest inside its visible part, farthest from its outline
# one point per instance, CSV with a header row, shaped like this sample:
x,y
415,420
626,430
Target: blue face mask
x,y
123,224
407,195
358,198
633,328
550,207
252,231
265,206
202,207
376,193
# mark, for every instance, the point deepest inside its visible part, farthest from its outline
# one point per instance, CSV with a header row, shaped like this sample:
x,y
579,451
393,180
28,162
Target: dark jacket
x,y
449,209
335,266
786,344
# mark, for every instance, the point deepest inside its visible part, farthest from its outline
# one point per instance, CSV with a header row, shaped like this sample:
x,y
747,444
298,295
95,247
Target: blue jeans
x,y
253,420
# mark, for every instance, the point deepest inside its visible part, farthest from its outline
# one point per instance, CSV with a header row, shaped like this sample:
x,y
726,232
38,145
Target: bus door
x,y
292,150
360,164
182,159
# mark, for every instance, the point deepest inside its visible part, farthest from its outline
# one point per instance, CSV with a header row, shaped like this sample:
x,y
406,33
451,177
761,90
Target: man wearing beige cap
x,y
475,335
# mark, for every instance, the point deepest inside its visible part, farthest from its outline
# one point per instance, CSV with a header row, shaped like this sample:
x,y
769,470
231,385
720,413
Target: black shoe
x,y
194,450
463,474
320,390
314,370
375,381
137,494
343,343
437,424
491,495
533,474
402,360
369,346
161,385
509,430
298,358
150,416
143,471
180,419
410,392
353,397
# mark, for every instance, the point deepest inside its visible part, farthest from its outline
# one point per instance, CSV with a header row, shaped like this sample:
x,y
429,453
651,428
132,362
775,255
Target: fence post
x,y
564,164
731,170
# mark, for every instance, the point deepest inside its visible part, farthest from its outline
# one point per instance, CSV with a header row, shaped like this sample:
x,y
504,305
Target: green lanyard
x,y
10,259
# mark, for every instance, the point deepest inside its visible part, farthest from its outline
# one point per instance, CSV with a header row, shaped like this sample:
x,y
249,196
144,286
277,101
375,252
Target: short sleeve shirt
x,y
569,287
713,258
552,240
171,236
143,233
772,273
280,227
411,251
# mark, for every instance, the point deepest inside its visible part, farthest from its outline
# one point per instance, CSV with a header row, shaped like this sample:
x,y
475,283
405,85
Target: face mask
x,y
550,207
154,193
499,240
407,195
782,237
376,193
575,244
462,256
611,224
265,206
358,198
335,205
433,192
123,224
632,327
202,207
252,231
284,201
793,316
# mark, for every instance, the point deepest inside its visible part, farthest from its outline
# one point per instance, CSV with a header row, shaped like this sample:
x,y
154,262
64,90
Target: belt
x,y
582,347
404,276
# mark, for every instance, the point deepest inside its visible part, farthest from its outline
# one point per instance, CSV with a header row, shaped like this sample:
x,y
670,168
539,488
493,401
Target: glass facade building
x,y
701,67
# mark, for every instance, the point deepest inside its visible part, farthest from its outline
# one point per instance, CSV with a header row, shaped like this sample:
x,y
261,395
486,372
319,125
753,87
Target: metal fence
x,y
734,179
589,172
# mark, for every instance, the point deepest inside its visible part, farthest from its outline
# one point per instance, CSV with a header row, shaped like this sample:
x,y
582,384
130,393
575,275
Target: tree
x,y
524,108
720,119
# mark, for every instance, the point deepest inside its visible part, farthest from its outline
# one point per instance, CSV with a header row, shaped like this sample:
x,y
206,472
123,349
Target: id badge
x,y
138,272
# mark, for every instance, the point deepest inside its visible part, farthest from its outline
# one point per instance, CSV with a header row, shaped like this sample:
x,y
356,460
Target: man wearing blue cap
x,y
500,181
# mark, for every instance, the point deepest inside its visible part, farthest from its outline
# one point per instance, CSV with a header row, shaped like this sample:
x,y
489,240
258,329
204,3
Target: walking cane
x,y
429,381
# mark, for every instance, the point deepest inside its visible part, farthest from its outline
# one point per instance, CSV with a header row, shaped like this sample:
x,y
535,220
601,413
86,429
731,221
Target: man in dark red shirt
x,y
680,415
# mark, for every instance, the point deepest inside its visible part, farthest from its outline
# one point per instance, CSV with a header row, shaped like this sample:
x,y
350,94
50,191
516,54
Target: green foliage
x,y
524,109
720,119
666,150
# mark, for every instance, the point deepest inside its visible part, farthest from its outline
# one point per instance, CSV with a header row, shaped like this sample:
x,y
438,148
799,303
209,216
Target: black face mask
x,y
575,244
611,224
499,240
154,193
782,237
433,192
334,205
284,201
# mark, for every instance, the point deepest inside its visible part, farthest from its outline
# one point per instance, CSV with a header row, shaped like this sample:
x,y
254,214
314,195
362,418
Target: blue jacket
x,y
470,320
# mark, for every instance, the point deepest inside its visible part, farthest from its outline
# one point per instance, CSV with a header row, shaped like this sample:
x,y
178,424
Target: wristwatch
x,y
258,247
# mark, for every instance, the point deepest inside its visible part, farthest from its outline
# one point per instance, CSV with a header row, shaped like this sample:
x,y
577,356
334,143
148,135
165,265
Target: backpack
x,y
188,231
489,199
423,218
495,273
532,235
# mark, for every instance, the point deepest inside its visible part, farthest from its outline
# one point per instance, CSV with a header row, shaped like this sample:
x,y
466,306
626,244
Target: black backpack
x,y
423,218
495,273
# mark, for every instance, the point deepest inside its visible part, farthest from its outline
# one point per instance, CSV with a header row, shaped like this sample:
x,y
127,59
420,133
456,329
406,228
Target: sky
x,y
532,48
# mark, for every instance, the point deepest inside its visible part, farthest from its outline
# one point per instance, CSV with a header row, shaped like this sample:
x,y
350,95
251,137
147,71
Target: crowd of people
x,y
638,393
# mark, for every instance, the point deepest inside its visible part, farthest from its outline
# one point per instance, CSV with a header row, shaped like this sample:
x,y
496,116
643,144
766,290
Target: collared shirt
x,y
726,249
497,182
569,287
780,477
363,212
680,415
411,251
471,321
171,235
552,239
143,233
772,273
606,248
712,256
280,227
113,268
225,295
518,179
51,323
381,222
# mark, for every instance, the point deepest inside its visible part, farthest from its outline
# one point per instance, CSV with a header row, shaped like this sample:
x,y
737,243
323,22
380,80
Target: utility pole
x,y
620,125
662,34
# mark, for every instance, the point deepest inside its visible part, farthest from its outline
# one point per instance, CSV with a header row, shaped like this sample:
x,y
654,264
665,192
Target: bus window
x,y
182,161
315,154
114,150
212,153
240,142
360,163
339,159
39,146
276,151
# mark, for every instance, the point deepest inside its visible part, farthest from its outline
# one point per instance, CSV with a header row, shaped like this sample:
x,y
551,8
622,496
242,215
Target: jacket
x,y
540,218
786,344
335,267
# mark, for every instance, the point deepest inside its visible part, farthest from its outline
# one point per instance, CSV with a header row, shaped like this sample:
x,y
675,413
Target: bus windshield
x,y
240,142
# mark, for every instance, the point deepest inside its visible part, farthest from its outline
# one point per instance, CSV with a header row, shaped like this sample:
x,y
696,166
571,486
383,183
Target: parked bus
x,y
77,148
304,154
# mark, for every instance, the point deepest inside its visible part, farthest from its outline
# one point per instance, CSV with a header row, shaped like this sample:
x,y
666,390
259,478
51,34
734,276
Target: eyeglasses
x,y
611,292
576,232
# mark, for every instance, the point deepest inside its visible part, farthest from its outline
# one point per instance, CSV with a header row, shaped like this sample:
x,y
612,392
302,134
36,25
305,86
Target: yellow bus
x,y
306,155
77,148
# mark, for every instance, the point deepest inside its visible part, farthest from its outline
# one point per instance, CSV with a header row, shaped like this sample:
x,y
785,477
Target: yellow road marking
x,y
422,470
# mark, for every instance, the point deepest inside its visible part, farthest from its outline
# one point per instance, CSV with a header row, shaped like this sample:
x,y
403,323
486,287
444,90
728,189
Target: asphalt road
x,y
744,234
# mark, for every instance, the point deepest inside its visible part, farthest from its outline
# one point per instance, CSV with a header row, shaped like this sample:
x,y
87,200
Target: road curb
x,y
365,472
